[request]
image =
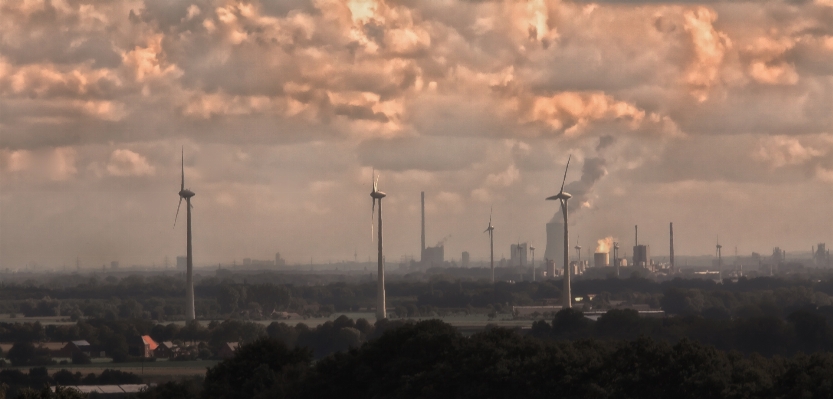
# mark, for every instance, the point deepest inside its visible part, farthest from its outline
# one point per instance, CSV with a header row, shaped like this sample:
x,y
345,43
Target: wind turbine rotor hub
x,y
378,194
186,193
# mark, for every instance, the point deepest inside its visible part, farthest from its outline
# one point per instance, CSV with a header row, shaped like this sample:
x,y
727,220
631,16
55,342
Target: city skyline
x,y
476,104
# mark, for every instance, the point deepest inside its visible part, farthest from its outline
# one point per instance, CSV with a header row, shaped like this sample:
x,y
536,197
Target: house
x,y
147,346
228,349
166,350
73,347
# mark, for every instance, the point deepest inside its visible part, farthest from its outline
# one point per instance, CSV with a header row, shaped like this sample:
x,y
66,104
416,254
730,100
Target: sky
x,y
714,115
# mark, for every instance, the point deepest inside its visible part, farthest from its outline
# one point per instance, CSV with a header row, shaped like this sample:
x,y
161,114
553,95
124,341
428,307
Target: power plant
x,y
641,253
601,259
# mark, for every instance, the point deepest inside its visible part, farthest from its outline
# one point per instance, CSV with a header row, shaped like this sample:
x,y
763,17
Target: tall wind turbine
x,y
532,249
186,194
381,312
490,229
562,197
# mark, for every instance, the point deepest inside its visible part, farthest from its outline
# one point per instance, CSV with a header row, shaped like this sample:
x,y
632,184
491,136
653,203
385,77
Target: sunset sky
x,y
714,115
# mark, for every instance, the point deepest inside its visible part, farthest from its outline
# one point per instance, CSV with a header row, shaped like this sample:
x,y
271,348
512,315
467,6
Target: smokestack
x,y
636,233
422,195
671,227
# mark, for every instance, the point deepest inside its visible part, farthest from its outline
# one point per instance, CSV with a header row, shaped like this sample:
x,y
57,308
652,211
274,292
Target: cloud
x,y
128,163
481,101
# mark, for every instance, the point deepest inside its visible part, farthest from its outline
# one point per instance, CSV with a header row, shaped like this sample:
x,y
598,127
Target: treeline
x,y
161,297
803,331
432,359
198,340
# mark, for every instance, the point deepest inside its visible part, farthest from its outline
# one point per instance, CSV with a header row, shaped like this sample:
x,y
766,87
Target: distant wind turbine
x,y
491,229
189,280
562,197
380,287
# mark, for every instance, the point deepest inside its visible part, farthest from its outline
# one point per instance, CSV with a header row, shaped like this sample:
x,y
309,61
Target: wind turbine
x,y
186,194
562,197
380,286
490,229
532,249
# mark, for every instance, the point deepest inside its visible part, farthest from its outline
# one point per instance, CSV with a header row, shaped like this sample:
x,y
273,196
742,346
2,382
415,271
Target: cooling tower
x,y
555,243
601,259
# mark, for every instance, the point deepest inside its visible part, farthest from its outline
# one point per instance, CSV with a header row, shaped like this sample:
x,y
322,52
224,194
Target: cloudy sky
x,y
714,115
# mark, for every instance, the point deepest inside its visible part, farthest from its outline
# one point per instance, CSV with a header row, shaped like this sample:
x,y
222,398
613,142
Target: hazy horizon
x,y
714,115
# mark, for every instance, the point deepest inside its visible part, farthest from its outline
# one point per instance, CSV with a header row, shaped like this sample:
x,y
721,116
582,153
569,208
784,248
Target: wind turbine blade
x,y
565,173
177,211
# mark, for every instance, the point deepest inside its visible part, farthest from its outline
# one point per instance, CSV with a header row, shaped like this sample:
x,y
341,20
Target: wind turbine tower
x,y
491,230
562,197
422,250
719,260
186,194
532,249
380,285
671,228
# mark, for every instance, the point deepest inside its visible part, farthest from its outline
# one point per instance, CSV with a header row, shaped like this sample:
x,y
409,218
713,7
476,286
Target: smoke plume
x,y
604,245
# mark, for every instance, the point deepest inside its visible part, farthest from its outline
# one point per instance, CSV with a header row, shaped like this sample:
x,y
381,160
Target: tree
x,y
21,353
570,323
264,367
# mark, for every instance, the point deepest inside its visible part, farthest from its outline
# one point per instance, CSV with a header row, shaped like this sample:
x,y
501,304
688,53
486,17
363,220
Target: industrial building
x,y
518,255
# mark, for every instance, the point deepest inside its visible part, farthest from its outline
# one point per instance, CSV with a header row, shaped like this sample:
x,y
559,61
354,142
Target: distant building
x,y
114,265
145,347
518,257
227,350
433,256
182,262
550,269
465,259
820,256
642,255
778,255
601,259
166,350
279,262
74,347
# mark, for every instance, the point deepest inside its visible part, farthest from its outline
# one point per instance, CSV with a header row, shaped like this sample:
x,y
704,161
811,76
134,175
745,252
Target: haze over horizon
x,y
714,115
